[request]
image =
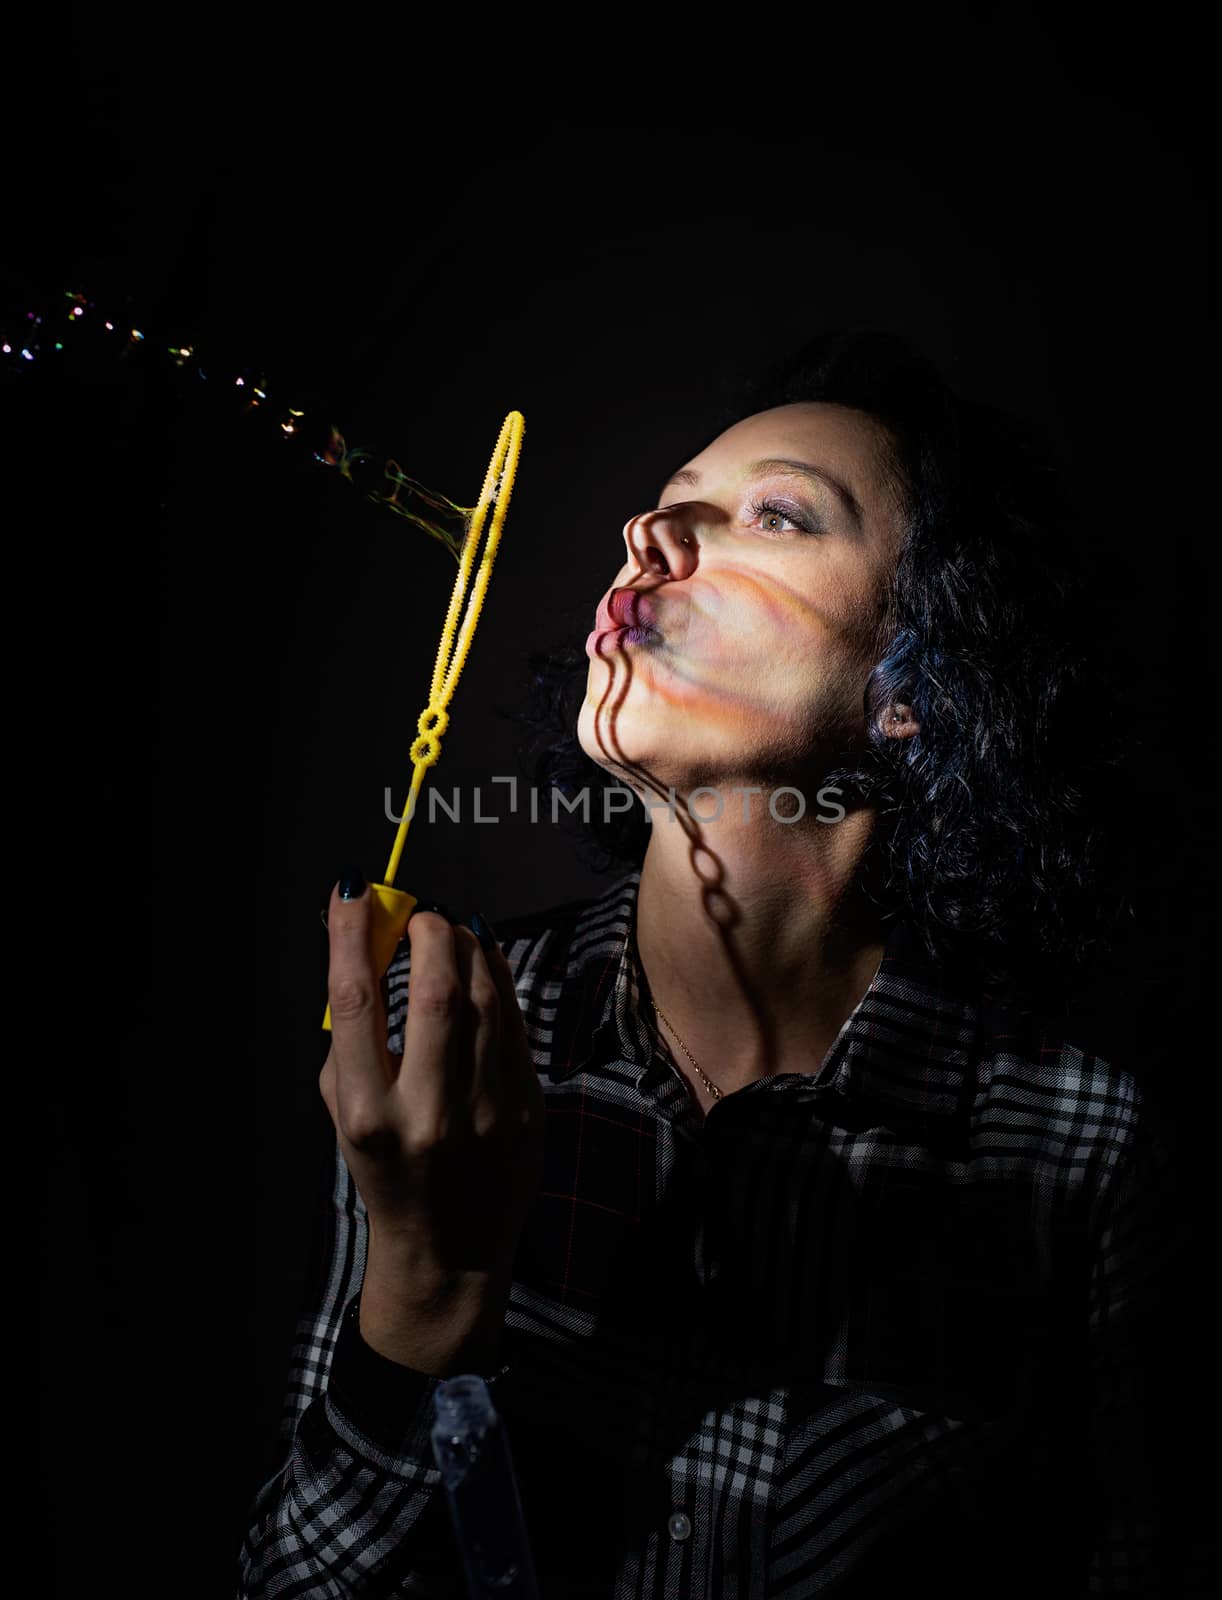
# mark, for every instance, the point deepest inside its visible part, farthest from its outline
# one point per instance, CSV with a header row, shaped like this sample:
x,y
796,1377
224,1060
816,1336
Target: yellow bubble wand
x,y
392,907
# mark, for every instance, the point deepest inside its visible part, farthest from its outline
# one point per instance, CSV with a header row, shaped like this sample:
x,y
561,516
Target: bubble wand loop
x,y
392,907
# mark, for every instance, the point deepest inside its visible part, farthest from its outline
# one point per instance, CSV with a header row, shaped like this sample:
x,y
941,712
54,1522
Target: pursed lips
x,y
628,608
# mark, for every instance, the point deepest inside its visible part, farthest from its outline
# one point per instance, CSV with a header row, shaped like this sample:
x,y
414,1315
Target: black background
x,y
219,647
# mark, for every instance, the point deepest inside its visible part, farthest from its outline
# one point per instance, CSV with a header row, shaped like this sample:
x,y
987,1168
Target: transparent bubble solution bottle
x,y
471,1449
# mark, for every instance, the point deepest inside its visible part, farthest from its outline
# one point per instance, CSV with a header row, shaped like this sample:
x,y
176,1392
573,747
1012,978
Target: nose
x,y
661,543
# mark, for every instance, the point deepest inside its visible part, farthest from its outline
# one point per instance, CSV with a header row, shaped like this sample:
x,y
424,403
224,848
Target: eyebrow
x,y
786,464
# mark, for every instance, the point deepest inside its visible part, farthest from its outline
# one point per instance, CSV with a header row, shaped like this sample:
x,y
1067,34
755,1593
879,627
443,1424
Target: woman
x,y
806,1253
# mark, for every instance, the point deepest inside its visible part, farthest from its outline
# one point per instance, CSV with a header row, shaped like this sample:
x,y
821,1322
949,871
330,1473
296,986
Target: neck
x,y
757,939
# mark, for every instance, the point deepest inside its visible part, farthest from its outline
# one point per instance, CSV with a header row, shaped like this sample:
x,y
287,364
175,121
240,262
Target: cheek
x,y
810,610
817,660
803,623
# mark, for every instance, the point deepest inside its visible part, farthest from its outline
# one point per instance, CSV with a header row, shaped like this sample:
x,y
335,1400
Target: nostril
x,y
657,561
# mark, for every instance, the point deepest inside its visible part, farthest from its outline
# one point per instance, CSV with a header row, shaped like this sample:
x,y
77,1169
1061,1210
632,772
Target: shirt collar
x,y
910,1043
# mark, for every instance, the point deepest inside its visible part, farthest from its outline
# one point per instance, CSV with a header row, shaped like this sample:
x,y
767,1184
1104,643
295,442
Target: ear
x,y
898,722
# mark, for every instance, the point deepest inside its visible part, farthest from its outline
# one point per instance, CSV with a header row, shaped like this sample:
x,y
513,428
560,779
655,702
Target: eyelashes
x,y
803,521
773,508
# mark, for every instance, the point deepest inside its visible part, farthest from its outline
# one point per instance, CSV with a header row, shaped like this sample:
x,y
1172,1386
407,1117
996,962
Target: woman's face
x,y
754,596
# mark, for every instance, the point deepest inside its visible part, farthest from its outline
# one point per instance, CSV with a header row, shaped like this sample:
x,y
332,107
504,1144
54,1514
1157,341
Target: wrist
x,y
389,1403
409,1257
439,1323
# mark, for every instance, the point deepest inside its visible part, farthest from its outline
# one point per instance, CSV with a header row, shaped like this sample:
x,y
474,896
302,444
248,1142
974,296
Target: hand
x,y
445,1141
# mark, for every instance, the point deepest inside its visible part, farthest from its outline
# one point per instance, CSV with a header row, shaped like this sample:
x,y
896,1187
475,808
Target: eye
x,y
772,511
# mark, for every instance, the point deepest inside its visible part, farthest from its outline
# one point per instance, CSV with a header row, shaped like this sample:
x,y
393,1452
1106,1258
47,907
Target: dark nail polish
x,y
483,930
433,905
351,883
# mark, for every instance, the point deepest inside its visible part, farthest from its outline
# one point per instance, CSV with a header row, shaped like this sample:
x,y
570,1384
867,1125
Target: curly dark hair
x,y
993,822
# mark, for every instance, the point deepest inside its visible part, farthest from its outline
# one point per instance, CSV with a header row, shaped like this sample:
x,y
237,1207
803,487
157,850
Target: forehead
x,y
848,447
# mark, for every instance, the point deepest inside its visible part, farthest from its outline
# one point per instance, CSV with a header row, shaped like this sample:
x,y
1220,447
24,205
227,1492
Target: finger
x,y
482,1025
517,1063
431,1029
326,1086
358,1020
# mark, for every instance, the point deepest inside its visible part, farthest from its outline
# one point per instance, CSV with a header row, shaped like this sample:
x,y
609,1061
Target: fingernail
x,y
433,905
351,883
483,930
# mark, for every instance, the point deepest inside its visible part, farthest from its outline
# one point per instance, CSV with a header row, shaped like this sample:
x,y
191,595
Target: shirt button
x,y
679,1527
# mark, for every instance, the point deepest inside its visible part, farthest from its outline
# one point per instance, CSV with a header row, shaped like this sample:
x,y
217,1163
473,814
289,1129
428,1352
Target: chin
x,y
620,739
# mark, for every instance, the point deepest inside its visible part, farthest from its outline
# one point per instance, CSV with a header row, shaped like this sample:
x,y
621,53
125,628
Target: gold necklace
x,y
705,1079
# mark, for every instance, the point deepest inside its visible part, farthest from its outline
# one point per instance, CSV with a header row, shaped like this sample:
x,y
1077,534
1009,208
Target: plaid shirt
x,y
881,1324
